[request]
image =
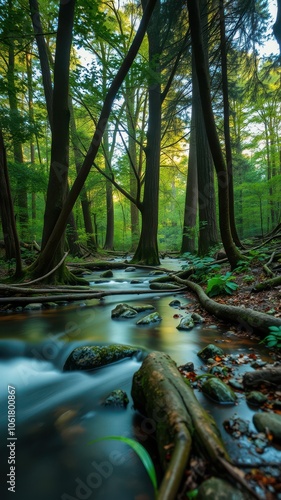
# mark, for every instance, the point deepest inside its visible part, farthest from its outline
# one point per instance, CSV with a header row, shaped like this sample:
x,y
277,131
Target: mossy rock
x,y
117,398
268,422
123,311
210,351
256,398
90,357
218,391
107,274
219,489
150,318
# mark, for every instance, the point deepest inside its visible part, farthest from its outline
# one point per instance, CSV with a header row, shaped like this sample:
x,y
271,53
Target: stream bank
x,y
59,413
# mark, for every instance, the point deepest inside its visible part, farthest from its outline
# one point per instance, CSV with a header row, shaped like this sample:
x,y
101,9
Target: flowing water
x,y
58,413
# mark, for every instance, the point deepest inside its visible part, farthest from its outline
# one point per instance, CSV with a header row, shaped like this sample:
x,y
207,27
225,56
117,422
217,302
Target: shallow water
x,y
58,413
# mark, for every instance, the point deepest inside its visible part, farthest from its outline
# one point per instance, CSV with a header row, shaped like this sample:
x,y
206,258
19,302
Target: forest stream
x,y
58,413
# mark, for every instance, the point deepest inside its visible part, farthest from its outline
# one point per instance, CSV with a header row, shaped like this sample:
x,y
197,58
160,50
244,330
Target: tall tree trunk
x,y
57,186
11,240
231,250
208,235
191,194
28,59
43,56
55,238
85,203
226,117
147,250
109,235
132,151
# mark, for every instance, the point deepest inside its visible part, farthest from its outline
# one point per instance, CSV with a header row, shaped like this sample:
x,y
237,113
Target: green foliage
x,y
274,338
253,257
221,284
140,451
203,265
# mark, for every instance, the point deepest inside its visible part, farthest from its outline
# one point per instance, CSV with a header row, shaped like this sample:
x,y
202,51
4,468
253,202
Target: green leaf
x,y
140,451
192,493
275,328
272,343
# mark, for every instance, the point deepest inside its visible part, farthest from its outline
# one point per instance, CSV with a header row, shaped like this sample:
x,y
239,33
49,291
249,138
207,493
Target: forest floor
x,y
266,301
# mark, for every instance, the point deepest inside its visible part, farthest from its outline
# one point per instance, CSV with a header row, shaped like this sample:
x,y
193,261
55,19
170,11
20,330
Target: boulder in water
x,y
150,318
90,357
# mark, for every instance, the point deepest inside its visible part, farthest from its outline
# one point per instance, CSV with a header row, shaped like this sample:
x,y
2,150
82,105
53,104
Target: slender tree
x,y
231,250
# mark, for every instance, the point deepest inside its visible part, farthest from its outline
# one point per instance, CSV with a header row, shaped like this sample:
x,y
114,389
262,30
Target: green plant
x,y
202,265
274,338
248,278
221,284
141,452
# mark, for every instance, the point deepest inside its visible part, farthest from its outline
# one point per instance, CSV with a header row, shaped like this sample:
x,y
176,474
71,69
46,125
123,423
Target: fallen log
x,y
270,376
179,421
71,297
247,318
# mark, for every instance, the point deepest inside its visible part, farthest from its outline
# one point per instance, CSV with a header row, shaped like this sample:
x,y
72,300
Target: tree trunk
x,y
191,195
208,236
147,250
12,245
109,235
231,250
43,56
226,117
55,238
85,203
57,186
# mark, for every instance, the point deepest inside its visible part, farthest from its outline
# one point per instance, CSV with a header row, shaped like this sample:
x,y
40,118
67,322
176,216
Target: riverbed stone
x,y
219,489
33,306
123,311
117,398
186,323
127,311
150,318
107,274
256,398
197,318
130,269
143,307
175,303
90,357
218,391
268,422
210,351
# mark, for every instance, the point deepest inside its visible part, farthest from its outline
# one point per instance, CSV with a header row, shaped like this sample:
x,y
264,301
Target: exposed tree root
x,y
160,392
266,285
263,376
248,318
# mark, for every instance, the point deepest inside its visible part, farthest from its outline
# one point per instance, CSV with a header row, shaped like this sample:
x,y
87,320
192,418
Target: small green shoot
x,y
221,284
140,451
274,338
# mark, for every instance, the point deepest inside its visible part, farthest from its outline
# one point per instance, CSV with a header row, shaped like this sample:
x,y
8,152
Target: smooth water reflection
x,y
59,413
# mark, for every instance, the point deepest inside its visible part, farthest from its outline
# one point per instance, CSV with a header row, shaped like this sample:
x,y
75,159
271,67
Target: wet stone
x,y
156,273
186,323
236,384
33,307
107,274
175,303
123,311
210,351
90,357
218,391
197,318
256,398
219,489
150,318
188,367
129,269
270,422
117,398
